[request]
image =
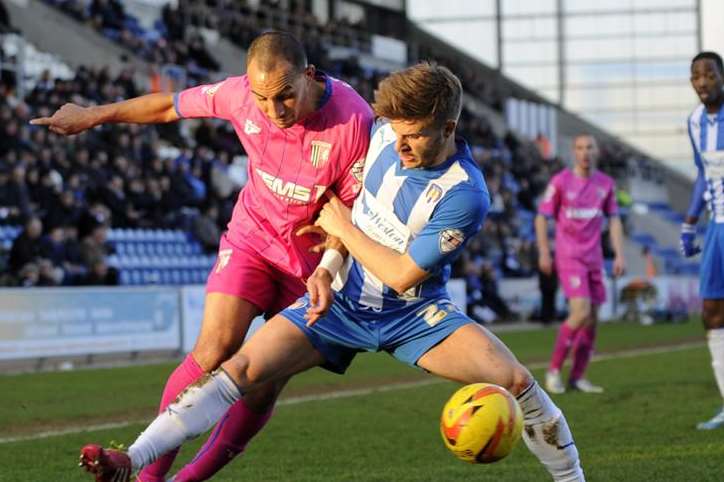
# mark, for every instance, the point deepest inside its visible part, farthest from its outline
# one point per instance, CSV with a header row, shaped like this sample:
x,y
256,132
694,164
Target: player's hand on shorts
x,y
68,120
316,231
321,296
687,240
619,266
335,217
545,263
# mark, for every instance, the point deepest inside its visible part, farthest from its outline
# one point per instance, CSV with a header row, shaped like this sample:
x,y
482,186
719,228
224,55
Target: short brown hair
x,y
423,91
275,46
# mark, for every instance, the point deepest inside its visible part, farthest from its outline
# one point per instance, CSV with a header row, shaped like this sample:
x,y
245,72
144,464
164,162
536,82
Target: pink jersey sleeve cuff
x,y
176,104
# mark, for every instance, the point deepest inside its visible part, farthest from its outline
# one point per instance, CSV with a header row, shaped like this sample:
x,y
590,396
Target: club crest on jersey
x,y
224,257
450,239
433,194
250,128
357,169
320,153
570,195
601,192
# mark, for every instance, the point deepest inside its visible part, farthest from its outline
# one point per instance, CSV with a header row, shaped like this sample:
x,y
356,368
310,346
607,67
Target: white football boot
x,y
554,382
715,422
583,385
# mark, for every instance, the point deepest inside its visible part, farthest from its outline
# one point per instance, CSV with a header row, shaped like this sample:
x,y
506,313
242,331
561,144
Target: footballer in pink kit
x,y
578,200
305,133
289,171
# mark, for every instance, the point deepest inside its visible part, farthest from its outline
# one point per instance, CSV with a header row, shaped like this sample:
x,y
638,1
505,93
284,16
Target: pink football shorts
x,y
240,271
580,281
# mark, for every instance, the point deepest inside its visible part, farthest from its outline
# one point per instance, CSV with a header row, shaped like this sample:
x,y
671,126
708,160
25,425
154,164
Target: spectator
x,y
27,247
205,228
99,273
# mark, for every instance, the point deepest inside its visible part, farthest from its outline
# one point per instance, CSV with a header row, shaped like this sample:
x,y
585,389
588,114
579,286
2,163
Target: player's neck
x,y
582,172
450,149
715,106
315,98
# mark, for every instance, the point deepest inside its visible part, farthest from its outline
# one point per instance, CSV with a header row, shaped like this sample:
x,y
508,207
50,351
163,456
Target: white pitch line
x,y
347,393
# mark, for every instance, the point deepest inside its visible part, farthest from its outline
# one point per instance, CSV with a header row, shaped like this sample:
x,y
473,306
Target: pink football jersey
x,y
289,169
578,205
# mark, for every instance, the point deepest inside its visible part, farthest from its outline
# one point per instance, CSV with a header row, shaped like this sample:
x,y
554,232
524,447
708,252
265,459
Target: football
x,y
481,423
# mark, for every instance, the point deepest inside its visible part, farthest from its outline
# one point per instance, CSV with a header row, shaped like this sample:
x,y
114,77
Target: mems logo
x,y
289,191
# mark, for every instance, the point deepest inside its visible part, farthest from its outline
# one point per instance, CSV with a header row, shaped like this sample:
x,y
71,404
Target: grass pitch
x,y
641,429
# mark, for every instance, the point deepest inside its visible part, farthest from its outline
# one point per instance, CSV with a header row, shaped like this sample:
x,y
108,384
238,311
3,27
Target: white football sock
x,y
194,412
715,339
547,435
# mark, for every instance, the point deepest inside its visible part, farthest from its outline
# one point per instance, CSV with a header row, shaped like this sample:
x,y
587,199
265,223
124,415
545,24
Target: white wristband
x,y
332,260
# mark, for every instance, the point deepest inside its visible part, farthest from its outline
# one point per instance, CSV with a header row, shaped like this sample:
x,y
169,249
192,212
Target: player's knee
x,y
238,368
520,379
211,354
580,316
713,315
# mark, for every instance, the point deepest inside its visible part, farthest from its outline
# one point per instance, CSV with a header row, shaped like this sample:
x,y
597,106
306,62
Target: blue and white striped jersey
x,y
428,213
706,132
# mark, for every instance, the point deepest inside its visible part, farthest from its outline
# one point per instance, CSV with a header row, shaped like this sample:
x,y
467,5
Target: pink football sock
x,y
184,375
228,439
582,351
564,341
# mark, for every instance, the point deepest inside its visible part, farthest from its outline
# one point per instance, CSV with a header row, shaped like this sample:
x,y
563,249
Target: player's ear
x,y
449,128
310,71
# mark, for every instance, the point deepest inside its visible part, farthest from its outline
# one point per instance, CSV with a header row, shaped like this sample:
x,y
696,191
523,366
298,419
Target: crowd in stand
x,y
67,192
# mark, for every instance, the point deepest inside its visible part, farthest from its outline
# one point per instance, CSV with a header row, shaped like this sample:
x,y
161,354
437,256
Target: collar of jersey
x,y
705,115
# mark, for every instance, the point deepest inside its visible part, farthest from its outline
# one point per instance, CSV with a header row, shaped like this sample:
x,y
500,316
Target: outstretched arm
x,y
147,109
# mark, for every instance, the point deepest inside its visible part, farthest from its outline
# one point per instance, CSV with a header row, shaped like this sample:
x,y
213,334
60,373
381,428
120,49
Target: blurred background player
x,y
578,199
706,125
304,133
423,200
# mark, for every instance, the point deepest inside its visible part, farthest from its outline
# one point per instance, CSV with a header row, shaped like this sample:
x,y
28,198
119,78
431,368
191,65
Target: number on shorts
x,y
432,314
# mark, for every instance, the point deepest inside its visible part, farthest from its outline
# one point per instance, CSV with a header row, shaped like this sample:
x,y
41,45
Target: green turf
x,y
641,429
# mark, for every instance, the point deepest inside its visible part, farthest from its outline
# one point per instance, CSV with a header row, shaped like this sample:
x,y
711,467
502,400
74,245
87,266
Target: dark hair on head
x,y
275,46
421,92
710,56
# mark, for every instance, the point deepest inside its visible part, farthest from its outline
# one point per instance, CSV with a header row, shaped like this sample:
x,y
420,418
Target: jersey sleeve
x,y
350,181
696,204
551,201
454,222
610,205
210,100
